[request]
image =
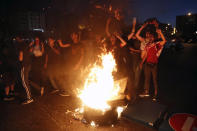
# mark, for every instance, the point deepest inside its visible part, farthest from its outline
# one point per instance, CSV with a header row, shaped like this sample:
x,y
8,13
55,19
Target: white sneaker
x,y
63,93
54,91
144,95
8,98
28,101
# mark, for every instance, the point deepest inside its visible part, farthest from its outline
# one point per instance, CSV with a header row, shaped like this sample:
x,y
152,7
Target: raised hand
x,y
158,31
134,21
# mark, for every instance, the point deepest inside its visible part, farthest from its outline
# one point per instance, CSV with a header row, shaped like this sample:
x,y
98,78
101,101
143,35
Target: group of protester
x,y
61,62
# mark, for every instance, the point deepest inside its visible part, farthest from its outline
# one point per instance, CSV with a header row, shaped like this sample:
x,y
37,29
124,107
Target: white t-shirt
x,y
142,47
37,51
143,44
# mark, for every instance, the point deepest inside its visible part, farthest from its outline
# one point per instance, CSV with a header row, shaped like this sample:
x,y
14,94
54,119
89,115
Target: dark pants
x,y
53,76
150,70
134,75
39,73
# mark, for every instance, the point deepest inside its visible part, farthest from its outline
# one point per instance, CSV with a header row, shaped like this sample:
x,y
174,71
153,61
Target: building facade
x,y
186,25
28,21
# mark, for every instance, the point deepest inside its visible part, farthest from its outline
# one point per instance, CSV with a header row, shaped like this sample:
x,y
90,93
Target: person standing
x,y
8,70
38,62
24,58
75,63
52,62
134,60
150,59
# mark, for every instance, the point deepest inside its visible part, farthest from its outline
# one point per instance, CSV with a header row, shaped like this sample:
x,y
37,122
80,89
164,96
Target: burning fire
x,y
99,86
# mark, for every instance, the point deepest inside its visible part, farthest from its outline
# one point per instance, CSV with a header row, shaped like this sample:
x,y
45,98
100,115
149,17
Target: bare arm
x,y
42,45
139,31
21,56
123,42
133,29
143,60
63,45
46,61
56,50
132,50
107,27
162,37
31,44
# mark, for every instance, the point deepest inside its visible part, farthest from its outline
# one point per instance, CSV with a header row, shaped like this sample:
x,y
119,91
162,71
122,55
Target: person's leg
x,y
147,73
7,90
43,80
137,72
154,74
63,80
12,90
130,84
53,81
7,96
12,87
25,80
132,89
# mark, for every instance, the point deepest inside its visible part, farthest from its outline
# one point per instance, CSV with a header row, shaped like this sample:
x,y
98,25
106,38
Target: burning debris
x,y
100,94
99,86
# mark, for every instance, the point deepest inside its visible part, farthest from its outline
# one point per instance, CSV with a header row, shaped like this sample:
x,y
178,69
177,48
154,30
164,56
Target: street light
x,y
189,14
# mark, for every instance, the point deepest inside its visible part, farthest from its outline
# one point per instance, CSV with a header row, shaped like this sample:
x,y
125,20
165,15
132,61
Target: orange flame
x,y
99,87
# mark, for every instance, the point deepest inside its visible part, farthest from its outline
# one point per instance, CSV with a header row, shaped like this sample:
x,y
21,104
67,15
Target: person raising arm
x,y
131,35
63,45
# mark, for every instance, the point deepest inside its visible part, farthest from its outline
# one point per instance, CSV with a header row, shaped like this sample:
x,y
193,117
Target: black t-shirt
x,y
135,44
9,52
74,55
53,57
8,57
22,46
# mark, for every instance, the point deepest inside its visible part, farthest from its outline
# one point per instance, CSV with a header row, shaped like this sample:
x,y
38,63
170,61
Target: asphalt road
x,y
178,80
177,90
49,113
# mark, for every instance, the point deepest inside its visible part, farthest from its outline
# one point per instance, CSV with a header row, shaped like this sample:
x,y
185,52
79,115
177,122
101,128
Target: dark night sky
x,y
165,10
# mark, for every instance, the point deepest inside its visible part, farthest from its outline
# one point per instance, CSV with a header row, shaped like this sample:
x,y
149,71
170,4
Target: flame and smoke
x,y
99,87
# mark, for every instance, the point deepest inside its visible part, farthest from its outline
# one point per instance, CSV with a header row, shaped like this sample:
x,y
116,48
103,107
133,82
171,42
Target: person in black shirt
x,y
75,63
52,62
9,70
24,57
115,45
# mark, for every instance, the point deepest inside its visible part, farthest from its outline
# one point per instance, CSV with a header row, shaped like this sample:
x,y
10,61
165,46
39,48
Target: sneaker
x,y
144,95
8,98
28,101
155,98
63,93
42,91
54,91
